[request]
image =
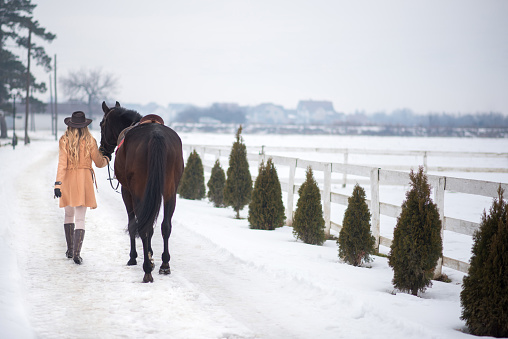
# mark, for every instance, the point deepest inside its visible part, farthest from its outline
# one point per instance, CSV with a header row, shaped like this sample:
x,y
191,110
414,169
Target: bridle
x,y
103,135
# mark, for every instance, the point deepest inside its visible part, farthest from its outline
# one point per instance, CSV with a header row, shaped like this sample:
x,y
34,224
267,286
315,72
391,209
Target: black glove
x,y
58,193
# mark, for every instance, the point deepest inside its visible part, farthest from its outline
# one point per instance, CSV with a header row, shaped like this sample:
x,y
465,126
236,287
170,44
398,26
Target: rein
x,y
106,143
111,181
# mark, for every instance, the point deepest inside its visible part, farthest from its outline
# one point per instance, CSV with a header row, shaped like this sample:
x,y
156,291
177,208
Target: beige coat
x,y
77,184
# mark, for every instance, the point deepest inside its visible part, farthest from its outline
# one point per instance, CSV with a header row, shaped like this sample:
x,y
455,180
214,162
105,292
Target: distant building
x,y
310,111
267,114
209,121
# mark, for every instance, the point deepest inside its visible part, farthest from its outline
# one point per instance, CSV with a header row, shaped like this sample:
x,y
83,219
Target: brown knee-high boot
x,y
79,234
69,235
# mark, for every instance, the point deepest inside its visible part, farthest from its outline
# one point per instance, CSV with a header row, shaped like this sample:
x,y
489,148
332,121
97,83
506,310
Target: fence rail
x,y
376,177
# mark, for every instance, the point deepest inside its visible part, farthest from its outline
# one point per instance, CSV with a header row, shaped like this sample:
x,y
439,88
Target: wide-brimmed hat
x,y
77,120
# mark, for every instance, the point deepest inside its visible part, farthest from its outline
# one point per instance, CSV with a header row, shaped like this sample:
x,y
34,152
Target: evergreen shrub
x,y
192,184
308,222
266,209
238,187
216,185
417,244
356,243
484,296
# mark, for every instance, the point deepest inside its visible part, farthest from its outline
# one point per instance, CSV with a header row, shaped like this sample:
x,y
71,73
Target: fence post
x,y
261,158
374,205
425,161
291,189
344,175
439,192
327,188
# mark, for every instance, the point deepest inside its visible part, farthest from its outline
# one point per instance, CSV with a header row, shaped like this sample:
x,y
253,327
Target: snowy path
x,y
228,281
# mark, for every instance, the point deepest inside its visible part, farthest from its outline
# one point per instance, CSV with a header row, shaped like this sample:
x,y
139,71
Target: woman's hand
x,y
58,193
104,153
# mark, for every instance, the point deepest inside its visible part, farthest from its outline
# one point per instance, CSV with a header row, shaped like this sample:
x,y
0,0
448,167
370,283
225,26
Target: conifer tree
x,y
216,185
484,295
17,23
417,244
266,209
238,188
192,184
308,223
356,242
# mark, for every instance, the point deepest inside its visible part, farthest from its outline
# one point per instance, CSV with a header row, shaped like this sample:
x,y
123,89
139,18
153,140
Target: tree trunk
x,y
27,103
3,127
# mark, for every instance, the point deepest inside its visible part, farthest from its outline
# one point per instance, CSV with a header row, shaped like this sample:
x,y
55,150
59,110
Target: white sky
x,y
426,55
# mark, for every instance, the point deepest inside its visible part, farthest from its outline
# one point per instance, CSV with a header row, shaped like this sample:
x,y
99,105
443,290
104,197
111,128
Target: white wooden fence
x,y
376,177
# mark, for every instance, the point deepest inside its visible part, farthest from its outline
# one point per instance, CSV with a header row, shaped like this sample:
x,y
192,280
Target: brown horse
x,y
148,165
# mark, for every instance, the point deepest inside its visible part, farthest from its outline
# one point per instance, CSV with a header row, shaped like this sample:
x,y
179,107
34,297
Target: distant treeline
x,y
400,118
408,118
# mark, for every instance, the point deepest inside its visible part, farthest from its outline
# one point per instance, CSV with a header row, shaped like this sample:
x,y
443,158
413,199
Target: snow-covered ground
x,y
227,280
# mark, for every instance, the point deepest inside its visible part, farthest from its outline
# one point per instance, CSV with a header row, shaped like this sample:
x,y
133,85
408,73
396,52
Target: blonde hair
x,y
74,138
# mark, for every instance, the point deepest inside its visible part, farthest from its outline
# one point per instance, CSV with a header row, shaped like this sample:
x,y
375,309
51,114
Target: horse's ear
x,y
105,107
117,104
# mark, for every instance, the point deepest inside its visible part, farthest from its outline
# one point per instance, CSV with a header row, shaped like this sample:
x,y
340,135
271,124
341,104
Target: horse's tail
x,y
148,208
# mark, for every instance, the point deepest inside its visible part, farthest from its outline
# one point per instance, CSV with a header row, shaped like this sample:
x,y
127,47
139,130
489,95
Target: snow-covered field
x,y
227,280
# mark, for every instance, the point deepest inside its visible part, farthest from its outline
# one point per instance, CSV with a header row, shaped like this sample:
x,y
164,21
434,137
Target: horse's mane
x,y
128,114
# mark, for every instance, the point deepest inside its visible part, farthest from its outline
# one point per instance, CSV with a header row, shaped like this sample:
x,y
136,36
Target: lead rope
x,y
111,181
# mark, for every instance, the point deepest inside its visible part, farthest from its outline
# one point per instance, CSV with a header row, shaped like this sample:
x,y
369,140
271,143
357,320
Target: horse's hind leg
x,y
133,254
127,200
147,264
150,250
169,209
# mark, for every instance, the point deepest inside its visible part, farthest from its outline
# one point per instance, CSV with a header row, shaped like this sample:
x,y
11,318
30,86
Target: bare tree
x,y
91,86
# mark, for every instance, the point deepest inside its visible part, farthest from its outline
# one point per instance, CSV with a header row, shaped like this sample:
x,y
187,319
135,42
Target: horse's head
x,y
109,134
114,121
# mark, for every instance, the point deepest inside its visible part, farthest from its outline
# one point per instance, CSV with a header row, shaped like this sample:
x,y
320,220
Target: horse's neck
x,y
123,128
125,124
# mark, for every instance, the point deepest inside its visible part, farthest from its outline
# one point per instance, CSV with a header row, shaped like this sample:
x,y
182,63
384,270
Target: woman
x,y
75,178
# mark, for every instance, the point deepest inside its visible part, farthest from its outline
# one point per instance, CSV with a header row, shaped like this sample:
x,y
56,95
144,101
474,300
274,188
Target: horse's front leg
x,y
169,209
147,263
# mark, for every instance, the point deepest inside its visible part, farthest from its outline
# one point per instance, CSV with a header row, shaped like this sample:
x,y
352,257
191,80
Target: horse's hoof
x,y
132,262
148,278
164,269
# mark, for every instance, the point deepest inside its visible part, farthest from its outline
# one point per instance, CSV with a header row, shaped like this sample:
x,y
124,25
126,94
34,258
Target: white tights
x,y
76,216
